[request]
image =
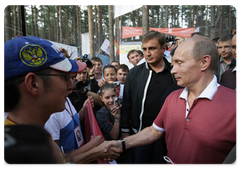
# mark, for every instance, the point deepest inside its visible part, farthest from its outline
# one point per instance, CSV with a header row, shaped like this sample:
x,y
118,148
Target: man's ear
x,y
205,62
32,83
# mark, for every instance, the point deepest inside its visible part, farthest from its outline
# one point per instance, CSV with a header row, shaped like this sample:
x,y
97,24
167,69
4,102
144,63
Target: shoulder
x,y
227,92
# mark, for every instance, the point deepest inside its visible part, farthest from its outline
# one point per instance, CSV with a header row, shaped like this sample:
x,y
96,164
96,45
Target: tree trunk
x,y
212,33
95,28
75,25
111,37
60,25
67,29
19,24
55,24
42,33
49,26
36,21
79,27
117,34
206,22
15,21
230,18
157,12
7,23
221,22
90,28
145,19
166,16
99,35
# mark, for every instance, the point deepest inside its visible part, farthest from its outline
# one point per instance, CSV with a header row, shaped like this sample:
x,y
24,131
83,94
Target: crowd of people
x,y
178,102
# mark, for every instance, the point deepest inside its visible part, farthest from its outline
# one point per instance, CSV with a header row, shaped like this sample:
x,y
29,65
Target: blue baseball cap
x,y
29,54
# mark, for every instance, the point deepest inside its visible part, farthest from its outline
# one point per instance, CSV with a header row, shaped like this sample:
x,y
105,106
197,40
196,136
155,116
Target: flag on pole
x,y
91,127
117,47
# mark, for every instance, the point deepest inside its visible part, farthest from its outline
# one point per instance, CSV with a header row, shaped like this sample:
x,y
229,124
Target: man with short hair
x,y
98,67
228,78
144,89
226,58
134,57
200,120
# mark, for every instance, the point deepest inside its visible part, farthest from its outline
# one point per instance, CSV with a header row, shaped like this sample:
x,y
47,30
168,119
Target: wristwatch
x,y
123,143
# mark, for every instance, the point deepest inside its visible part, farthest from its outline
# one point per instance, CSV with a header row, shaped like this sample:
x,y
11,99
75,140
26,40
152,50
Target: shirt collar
x,y
208,92
167,65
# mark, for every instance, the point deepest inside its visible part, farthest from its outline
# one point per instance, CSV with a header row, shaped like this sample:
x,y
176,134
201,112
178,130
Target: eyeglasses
x,y
66,76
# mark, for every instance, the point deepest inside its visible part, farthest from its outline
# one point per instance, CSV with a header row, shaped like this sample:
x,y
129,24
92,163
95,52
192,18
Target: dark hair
x,y
24,144
232,29
96,59
107,86
124,67
196,33
131,51
140,52
109,66
173,51
154,34
215,39
12,94
225,38
115,62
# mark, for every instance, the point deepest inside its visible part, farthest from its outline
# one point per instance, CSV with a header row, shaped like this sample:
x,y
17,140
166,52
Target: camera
x,y
170,38
116,84
87,61
116,101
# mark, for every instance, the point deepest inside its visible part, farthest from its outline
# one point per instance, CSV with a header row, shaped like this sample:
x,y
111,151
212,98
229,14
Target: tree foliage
x,y
43,21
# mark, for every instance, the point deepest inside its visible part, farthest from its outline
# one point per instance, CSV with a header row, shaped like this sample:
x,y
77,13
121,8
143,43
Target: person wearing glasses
x,y
226,58
37,83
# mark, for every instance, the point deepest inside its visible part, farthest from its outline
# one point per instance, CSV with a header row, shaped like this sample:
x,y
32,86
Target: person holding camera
x,y
108,117
85,85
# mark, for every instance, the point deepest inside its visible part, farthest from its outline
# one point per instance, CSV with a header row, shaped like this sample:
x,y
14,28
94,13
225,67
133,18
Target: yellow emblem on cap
x,y
33,55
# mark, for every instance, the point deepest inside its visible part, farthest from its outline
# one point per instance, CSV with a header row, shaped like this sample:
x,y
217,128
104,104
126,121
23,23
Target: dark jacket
x,y
232,65
134,96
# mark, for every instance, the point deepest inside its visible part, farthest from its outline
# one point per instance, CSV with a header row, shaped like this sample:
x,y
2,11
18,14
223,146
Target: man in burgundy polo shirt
x,y
200,120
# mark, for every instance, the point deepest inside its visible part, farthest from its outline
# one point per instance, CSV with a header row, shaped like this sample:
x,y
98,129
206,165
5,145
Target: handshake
x,y
109,150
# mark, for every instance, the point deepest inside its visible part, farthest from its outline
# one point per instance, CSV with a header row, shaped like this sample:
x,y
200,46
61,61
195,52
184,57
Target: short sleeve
x,y
52,126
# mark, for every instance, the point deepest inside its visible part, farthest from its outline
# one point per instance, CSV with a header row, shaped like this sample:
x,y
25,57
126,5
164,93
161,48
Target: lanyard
x,y
71,114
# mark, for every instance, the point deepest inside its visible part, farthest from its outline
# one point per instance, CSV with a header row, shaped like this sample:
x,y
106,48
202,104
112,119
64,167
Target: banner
x,y
128,32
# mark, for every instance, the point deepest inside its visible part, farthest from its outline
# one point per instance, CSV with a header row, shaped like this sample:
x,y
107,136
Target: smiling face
x,y
186,69
107,97
109,75
225,48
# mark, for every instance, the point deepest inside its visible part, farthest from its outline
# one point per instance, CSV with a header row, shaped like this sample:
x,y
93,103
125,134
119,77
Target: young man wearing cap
x,y
37,82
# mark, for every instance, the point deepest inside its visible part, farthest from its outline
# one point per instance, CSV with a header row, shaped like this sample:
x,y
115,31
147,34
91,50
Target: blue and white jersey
x,y
61,127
